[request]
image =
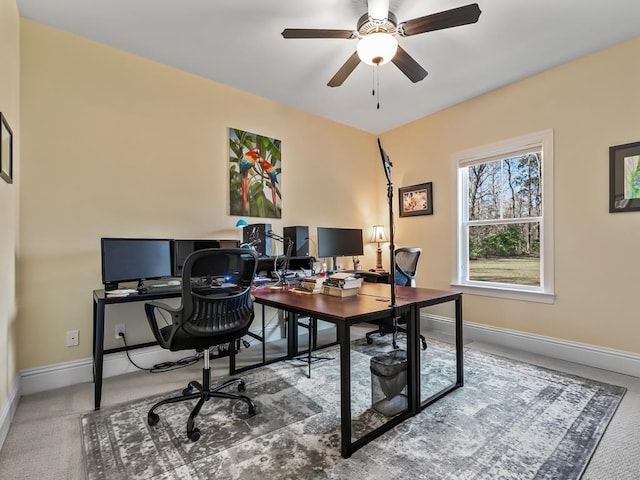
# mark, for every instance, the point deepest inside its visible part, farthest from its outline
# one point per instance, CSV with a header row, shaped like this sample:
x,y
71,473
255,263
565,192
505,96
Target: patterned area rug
x,y
511,420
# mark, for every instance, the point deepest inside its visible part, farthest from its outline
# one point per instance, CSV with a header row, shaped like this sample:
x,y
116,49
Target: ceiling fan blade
x,y
378,9
408,65
438,21
317,33
345,70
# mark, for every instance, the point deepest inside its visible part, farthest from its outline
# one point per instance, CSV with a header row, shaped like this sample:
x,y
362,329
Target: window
x,y
504,221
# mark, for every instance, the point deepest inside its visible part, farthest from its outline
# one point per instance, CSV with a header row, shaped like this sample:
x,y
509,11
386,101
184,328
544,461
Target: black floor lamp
x,y
386,163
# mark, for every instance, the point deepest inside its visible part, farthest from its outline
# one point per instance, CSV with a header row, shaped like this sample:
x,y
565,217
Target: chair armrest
x,y
163,306
150,311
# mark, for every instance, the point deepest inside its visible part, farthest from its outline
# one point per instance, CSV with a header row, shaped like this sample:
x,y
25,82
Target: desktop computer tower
x,y
256,234
300,237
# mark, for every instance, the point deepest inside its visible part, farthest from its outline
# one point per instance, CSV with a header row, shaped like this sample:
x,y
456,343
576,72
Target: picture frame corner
x,y
6,149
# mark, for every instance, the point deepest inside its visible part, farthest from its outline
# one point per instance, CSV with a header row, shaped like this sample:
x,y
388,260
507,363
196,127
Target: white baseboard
x,y
590,355
8,410
70,373
41,379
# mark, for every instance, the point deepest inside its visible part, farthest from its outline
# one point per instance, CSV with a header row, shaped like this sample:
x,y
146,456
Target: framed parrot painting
x,y
255,168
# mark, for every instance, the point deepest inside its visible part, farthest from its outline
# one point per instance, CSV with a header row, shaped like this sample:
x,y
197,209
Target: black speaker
x,y
300,238
254,234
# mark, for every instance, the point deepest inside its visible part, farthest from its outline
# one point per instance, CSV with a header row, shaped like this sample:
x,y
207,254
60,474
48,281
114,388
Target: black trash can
x,y
389,382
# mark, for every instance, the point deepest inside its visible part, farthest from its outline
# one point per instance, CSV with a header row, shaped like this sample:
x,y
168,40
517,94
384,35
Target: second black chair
x,y
406,259
216,310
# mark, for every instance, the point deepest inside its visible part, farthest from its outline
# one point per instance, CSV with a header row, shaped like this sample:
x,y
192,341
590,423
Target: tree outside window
x,y
503,215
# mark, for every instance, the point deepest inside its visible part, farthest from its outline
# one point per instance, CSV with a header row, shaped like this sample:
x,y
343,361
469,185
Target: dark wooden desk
x,y
372,303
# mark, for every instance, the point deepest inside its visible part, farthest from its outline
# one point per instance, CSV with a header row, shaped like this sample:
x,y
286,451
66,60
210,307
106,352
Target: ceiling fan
x,y
377,33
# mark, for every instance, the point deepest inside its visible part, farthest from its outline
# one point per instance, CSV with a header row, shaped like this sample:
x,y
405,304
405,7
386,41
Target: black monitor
x,y
223,269
183,248
339,242
135,260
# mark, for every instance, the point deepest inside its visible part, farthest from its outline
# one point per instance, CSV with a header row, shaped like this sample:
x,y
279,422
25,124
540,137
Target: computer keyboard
x,y
164,289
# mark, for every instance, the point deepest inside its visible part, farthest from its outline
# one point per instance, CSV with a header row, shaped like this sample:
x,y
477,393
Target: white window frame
x,y
497,151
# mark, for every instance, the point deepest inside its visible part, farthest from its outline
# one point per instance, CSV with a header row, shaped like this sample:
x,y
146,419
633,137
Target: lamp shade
x,y
378,235
377,48
241,223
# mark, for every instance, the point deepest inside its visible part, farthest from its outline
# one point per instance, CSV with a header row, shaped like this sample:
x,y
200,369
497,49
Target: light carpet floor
x,y
44,441
511,420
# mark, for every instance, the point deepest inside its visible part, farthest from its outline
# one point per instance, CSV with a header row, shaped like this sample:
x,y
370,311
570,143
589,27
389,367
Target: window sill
x,y
506,293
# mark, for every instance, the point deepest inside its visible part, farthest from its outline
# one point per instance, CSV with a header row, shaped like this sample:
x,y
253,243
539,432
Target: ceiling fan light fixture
x,y
377,48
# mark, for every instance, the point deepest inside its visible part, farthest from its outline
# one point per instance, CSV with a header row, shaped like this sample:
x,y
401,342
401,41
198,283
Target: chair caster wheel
x,y
187,391
153,419
369,341
241,387
252,410
424,344
194,435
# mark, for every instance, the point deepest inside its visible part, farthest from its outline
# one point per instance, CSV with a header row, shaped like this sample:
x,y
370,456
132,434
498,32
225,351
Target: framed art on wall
x,y
6,150
416,200
624,178
254,175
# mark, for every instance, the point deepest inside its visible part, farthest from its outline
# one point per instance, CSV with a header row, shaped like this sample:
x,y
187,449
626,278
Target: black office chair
x,y
406,270
216,310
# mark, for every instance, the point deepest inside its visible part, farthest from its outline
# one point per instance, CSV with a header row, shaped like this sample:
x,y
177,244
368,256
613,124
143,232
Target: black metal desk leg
x,y
459,343
93,346
292,334
345,388
98,350
264,339
413,357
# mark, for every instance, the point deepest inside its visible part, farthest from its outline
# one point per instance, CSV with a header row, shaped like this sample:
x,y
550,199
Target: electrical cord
x,y
164,366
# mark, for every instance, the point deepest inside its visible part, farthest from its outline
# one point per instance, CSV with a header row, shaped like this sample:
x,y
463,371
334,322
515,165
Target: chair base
x,y
203,392
382,331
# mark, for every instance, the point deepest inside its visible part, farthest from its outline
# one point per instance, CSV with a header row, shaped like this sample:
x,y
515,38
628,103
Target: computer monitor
x,y
339,242
223,269
134,260
183,248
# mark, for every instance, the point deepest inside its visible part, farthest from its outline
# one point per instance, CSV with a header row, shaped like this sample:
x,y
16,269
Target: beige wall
x,y
116,145
591,104
9,194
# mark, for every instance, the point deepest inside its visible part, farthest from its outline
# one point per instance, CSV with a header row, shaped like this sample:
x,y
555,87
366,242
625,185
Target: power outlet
x,y
73,338
120,328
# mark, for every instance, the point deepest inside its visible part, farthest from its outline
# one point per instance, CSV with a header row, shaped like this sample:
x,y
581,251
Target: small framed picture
x,y
416,200
6,150
624,178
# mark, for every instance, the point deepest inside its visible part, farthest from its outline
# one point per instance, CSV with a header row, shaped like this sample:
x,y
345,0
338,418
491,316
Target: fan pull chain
x,y
378,86
375,89
373,82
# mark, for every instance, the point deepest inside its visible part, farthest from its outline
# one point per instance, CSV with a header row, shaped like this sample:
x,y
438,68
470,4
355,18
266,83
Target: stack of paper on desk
x,y
343,280
339,292
342,284
312,284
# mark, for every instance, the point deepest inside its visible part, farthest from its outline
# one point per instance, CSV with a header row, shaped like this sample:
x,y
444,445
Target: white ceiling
x,y
238,43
